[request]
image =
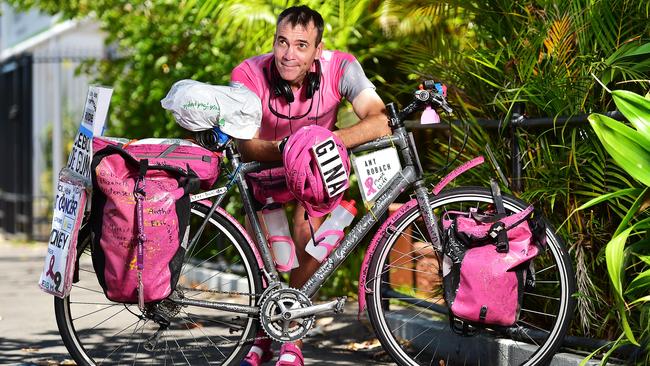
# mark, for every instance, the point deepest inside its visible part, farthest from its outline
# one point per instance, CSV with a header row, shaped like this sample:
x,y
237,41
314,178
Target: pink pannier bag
x,y
180,153
140,215
483,281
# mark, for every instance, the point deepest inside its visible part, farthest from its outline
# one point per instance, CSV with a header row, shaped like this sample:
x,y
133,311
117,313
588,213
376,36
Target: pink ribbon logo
x,y
370,186
50,271
55,276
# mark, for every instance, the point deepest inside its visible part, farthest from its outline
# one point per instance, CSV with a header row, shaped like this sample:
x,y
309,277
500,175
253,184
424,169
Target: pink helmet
x,y
304,178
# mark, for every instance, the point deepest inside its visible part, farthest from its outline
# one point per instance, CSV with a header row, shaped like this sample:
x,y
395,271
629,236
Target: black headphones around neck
x,y
280,87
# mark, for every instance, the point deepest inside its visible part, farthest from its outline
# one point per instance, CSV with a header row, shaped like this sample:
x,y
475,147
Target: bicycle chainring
x,y
275,310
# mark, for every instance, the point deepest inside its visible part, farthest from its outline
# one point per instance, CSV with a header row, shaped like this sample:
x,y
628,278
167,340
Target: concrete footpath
x,y
29,335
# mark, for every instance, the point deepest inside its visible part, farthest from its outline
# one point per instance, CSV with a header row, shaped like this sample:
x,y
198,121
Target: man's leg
x,y
261,351
301,236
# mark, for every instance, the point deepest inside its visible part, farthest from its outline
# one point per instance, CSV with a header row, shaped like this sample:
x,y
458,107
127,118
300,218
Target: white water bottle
x,y
279,236
330,234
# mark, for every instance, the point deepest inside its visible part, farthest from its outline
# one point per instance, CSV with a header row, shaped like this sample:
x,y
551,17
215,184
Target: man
x,y
301,84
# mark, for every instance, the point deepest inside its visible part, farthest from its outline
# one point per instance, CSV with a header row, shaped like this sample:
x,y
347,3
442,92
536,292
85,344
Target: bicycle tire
x,y
429,340
98,331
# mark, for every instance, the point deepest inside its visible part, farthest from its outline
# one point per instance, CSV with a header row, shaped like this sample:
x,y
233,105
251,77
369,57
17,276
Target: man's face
x,y
295,50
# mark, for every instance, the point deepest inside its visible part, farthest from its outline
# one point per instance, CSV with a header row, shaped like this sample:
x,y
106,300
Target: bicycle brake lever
x,y
442,103
446,108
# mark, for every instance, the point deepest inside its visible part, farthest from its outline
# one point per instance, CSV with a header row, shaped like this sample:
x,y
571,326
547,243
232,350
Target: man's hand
x,y
373,123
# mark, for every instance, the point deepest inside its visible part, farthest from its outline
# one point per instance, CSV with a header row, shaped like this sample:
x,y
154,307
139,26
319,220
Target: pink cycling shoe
x,y
290,355
260,353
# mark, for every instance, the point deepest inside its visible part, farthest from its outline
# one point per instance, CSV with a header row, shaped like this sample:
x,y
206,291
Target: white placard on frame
x,y
374,170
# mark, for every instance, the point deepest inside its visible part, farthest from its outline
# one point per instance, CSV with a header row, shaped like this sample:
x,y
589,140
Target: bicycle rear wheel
x,y
409,314
96,330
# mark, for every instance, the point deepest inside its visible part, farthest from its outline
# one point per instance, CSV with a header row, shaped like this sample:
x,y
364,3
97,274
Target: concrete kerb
x,y
501,352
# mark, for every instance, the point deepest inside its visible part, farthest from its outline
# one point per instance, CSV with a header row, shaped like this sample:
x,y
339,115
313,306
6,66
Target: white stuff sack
x,y
198,106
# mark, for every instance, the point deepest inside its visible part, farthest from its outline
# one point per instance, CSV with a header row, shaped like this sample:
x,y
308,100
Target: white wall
x,y
58,93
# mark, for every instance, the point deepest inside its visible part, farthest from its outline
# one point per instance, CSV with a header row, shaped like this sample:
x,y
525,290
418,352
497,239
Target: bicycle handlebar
x,y
427,95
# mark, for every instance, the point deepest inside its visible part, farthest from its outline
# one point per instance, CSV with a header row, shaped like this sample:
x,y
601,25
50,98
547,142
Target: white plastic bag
x,y
198,106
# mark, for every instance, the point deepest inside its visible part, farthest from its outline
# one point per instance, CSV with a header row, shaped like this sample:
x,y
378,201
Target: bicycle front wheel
x,y
219,267
409,314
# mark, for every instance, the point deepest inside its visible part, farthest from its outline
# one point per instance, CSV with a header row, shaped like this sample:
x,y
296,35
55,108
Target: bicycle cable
x,y
443,170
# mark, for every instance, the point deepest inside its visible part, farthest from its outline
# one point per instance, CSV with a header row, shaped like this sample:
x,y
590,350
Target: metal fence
x,y
519,121
41,101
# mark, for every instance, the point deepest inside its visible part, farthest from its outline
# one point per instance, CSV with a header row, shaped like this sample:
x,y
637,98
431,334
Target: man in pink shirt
x,y
301,84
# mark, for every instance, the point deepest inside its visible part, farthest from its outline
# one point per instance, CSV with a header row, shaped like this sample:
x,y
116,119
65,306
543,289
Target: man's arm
x,y
373,123
256,149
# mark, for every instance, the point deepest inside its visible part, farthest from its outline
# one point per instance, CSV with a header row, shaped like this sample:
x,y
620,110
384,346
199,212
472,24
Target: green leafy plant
x,y
627,253
541,54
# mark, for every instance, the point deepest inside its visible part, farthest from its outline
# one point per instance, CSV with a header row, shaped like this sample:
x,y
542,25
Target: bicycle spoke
x,y
194,250
545,269
370,279
122,346
182,351
95,312
207,260
410,269
107,303
207,337
200,327
412,298
526,293
394,285
539,313
413,317
425,347
88,289
548,282
532,325
109,318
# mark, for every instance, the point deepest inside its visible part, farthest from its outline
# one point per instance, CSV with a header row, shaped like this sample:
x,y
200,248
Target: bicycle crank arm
x,y
335,306
223,306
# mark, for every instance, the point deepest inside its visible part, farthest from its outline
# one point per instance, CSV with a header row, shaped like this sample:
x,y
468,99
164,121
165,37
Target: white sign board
x,y
330,166
92,124
69,205
70,200
374,170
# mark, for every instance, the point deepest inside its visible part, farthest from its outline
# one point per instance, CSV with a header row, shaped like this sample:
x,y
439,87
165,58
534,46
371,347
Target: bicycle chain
x,y
232,293
214,345
223,343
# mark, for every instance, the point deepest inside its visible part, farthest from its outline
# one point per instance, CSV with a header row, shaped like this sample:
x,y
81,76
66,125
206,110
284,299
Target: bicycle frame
x,y
399,258
411,175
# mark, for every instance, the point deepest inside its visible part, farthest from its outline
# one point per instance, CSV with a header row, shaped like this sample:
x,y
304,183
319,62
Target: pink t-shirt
x,y
341,76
